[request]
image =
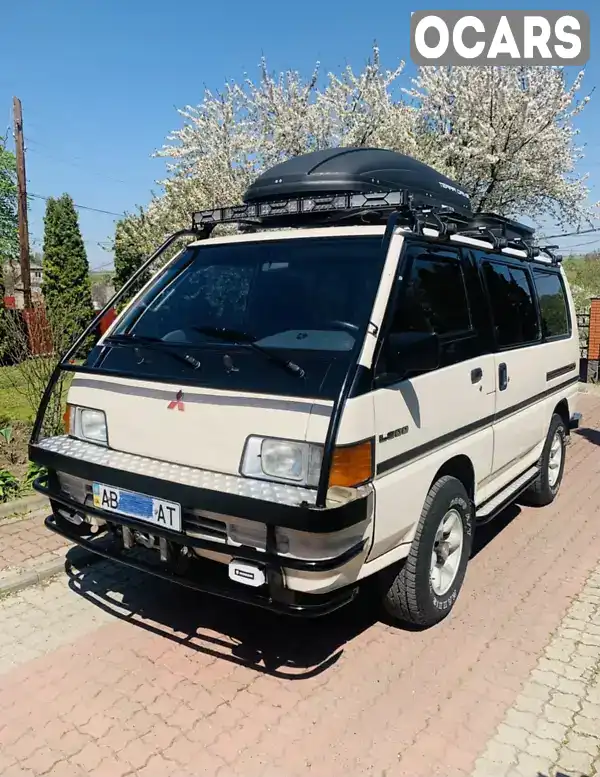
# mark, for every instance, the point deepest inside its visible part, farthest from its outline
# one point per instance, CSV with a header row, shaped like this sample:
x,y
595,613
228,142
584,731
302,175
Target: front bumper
x,y
273,504
202,573
208,577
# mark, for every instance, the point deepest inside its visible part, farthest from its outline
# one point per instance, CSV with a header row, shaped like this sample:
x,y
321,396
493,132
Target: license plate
x,y
145,508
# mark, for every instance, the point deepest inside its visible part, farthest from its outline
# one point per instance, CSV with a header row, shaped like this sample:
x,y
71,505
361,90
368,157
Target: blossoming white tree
x,y
505,134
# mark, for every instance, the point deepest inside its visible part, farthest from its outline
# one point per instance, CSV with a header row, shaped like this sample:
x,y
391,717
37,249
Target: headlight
x,y
88,424
285,460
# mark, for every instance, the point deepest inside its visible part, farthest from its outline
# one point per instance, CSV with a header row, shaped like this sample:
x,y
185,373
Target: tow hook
x,y
178,557
132,537
147,540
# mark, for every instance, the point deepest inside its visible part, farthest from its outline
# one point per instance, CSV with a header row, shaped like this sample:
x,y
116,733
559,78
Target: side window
x,y
513,309
435,297
553,304
432,299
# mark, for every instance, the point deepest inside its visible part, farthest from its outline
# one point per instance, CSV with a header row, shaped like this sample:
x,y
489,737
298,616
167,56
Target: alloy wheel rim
x,y
555,459
447,552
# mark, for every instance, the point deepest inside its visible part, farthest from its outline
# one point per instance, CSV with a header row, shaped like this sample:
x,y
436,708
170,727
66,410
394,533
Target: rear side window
x,y
553,304
513,308
436,296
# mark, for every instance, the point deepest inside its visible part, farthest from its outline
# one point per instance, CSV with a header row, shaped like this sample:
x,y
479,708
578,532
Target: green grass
x,y
13,396
19,386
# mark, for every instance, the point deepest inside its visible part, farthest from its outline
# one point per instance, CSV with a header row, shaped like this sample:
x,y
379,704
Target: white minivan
x,y
345,388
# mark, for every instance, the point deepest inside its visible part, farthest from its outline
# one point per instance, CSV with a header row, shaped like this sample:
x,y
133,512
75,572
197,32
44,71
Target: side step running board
x,y
490,509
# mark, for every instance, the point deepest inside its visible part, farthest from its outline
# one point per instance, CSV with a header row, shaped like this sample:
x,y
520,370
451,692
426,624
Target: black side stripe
x,y
535,399
439,442
558,373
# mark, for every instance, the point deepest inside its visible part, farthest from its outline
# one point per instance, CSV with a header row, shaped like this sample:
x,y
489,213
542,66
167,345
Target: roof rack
x,y
365,186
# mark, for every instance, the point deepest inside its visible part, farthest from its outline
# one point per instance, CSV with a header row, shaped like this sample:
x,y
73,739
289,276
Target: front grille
x,y
204,528
195,523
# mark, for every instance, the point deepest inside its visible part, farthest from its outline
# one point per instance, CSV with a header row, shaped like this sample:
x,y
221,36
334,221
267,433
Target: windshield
x,y
305,300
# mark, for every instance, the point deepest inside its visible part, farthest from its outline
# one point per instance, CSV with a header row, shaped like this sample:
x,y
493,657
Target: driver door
x,y
421,418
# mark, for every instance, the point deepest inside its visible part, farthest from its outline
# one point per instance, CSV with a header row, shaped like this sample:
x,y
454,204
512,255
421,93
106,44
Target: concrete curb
x,y
77,557
24,506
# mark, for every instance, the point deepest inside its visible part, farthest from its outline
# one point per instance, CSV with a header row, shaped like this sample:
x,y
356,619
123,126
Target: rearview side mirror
x,y
412,353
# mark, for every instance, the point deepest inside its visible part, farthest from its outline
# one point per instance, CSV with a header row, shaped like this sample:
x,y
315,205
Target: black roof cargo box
x,y
357,171
502,227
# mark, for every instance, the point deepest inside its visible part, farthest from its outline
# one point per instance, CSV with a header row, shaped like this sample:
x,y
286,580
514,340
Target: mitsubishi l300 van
x,y
345,389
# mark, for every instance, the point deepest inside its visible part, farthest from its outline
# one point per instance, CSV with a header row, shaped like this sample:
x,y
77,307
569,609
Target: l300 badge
x,y
393,434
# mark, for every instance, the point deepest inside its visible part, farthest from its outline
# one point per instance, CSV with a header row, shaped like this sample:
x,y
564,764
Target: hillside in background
x,y
583,273
102,287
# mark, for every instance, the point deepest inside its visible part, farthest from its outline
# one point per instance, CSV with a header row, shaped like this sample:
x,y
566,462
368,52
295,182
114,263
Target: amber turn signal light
x,y
67,420
352,465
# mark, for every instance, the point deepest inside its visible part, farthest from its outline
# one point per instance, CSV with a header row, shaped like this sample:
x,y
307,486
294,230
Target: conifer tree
x,y
66,282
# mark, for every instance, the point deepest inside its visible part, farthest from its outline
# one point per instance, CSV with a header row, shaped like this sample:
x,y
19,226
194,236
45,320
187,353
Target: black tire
x,y
540,492
408,594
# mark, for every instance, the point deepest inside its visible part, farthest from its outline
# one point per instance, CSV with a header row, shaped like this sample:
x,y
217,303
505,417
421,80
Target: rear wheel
x,y
552,466
423,589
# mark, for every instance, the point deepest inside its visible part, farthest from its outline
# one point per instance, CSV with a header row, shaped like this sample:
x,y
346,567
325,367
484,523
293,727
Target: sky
x,y
101,80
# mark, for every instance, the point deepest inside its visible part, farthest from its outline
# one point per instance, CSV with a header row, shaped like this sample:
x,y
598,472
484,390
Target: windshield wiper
x,y
154,344
238,337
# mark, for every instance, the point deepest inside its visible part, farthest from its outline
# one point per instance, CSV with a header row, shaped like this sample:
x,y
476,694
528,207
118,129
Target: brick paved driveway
x,y
27,543
105,672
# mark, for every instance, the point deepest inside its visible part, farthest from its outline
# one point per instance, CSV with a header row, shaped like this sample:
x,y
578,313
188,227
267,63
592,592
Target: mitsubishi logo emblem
x,y
177,402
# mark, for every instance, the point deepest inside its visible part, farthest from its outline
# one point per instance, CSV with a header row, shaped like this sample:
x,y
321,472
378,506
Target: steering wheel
x,y
345,325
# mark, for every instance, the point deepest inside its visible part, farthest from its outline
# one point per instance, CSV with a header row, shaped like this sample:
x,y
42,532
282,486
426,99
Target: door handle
x,y
502,376
476,375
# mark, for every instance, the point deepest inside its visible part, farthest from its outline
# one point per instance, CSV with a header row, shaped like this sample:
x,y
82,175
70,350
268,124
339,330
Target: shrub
x,y
9,486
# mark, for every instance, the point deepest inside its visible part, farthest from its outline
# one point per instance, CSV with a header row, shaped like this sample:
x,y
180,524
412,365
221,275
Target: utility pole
x,y
22,203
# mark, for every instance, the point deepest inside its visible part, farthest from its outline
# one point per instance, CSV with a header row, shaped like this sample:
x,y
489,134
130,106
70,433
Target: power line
x,y
100,243
572,234
107,266
72,163
580,245
107,244
82,207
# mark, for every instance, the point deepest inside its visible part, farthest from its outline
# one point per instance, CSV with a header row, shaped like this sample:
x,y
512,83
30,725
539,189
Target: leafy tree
x,y
9,238
66,282
128,253
584,278
505,134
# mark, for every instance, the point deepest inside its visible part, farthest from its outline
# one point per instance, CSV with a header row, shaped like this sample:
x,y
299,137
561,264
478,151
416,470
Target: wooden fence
x,y
34,324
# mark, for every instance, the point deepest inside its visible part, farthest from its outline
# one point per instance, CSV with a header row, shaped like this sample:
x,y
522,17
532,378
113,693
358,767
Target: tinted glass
x,y
306,299
513,308
553,304
435,299
286,294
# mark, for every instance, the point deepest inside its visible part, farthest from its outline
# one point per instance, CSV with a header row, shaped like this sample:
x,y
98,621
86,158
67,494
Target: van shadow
x,y
411,399
591,435
487,532
281,646
562,774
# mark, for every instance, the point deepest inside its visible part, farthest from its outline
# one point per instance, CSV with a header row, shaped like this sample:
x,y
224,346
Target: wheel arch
x,y
562,409
461,468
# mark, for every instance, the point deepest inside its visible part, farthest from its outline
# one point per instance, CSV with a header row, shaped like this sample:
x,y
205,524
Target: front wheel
x,y
423,589
552,466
